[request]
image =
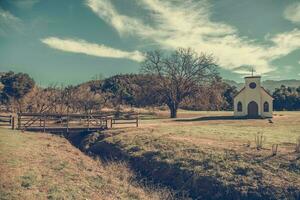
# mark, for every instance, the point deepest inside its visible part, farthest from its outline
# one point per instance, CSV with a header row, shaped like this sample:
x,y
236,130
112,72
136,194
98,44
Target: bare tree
x,y
43,99
179,74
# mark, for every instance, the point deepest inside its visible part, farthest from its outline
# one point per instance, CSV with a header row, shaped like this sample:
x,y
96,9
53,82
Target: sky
x,y
72,41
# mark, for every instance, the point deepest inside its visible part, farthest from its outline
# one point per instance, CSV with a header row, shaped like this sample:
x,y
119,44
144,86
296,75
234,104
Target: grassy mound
x,y
210,159
43,166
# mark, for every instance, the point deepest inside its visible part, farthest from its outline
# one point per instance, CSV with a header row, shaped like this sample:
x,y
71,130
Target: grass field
x,y
42,166
199,155
213,147
220,127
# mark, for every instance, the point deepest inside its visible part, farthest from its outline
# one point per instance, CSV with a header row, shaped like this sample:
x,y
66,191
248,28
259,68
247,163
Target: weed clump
x,y
274,149
298,145
259,140
28,180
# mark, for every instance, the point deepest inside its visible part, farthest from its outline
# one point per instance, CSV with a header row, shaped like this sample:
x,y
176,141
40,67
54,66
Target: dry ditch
x,y
244,183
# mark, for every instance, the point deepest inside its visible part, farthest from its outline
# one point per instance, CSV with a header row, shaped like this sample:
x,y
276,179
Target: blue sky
x,y
72,41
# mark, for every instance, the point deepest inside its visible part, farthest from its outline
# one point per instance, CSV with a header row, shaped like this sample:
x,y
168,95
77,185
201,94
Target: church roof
x,y
239,92
267,92
252,77
260,87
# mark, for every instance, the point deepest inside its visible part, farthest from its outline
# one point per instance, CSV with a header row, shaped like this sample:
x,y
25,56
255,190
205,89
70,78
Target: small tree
x,y
179,75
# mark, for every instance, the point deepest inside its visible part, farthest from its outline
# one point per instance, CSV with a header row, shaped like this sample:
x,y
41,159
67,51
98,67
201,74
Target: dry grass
x,y
217,147
201,153
42,166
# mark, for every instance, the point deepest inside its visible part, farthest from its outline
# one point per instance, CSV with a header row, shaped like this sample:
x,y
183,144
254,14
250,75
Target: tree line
x,y
180,79
286,98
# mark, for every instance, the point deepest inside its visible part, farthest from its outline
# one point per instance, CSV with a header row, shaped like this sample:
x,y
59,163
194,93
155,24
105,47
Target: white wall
x,y
257,94
240,98
266,97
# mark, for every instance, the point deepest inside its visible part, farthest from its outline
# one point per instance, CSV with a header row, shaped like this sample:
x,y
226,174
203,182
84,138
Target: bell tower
x,y
253,96
252,82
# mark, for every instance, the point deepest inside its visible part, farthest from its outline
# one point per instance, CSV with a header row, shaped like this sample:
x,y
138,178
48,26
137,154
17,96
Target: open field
x,y
200,155
43,166
221,127
211,155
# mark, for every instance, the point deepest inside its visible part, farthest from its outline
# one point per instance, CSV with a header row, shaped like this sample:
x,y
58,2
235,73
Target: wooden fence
x,y
125,118
48,122
7,120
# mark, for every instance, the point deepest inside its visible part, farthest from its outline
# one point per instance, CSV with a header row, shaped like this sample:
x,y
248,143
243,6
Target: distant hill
x,y
269,84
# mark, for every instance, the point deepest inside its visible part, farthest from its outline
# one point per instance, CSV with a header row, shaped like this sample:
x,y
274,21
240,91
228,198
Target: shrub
x,y
274,149
28,179
259,140
298,145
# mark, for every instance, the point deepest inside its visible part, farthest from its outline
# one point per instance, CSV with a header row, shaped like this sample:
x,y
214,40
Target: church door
x,y
252,109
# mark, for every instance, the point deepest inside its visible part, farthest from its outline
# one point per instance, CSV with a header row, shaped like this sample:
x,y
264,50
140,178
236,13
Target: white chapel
x,y
253,100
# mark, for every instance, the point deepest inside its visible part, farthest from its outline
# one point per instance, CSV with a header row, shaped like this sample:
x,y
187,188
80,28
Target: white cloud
x,y
285,43
292,12
243,72
81,46
8,22
122,23
7,16
187,24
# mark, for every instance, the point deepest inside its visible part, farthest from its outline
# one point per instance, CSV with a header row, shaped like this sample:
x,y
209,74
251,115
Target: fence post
x,y
12,122
67,123
44,123
19,121
88,122
137,121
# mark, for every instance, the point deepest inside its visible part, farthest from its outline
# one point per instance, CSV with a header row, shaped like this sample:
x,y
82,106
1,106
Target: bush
x,y
259,140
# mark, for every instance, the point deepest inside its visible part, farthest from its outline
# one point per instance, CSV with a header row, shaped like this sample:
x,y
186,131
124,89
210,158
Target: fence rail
x,y
7,120
126,118
50,122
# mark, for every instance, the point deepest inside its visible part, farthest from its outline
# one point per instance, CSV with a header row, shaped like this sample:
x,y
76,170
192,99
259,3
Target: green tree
x,y
17,85
286,98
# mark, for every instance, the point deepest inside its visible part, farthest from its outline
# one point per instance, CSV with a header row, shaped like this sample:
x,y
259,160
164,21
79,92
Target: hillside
x,y
269,84
43,166
209,155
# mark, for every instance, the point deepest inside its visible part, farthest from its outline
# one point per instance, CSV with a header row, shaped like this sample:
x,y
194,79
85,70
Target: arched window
x,y
239,107
266,107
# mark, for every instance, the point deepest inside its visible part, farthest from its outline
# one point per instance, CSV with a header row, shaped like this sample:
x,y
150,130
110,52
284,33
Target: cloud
x,y
123,24
6,16
292,12
244,70
24,4
81,46
8,23
188,24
